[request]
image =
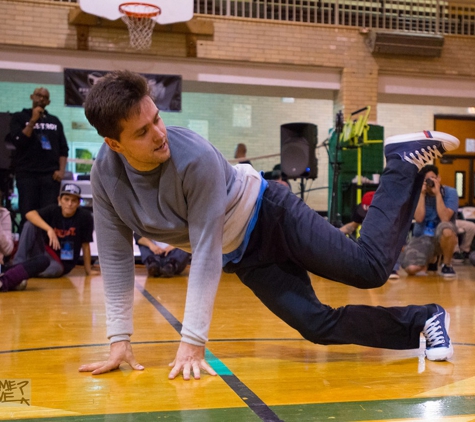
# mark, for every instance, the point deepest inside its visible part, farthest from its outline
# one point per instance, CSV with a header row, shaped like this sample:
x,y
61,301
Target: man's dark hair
x,y
429,167
113,98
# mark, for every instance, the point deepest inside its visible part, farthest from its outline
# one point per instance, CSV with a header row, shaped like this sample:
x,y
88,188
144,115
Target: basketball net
x,y
139,20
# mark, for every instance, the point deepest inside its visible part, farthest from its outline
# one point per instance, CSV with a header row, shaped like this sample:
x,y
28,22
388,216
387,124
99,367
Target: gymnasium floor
x,y
266,371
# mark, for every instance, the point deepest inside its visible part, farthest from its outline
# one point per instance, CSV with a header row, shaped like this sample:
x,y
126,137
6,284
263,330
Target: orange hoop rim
x,y
155,10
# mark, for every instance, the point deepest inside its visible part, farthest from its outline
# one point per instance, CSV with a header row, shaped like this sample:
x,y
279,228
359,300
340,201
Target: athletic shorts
x,y
422,250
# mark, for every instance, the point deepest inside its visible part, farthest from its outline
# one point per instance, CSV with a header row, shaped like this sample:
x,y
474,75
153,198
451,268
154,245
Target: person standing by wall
x,y
41,154
241,154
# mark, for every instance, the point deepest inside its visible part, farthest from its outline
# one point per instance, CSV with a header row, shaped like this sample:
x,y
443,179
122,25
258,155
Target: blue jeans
x,y
32,244
291,239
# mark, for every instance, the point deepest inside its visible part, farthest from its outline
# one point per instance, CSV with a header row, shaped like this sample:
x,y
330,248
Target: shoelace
x,y
433,331
424,156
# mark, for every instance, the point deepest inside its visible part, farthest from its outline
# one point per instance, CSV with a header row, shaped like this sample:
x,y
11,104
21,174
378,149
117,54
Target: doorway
x,y
457,168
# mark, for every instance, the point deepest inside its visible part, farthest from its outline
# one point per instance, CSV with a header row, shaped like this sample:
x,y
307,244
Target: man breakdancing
x,y
171,185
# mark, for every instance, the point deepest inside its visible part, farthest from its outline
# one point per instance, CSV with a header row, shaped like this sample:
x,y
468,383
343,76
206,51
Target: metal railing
x,y
422,16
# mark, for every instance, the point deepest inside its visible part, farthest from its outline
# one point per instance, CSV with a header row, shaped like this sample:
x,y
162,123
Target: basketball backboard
x,y
171,10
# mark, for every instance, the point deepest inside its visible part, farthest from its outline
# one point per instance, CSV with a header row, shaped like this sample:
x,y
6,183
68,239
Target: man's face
x,y
40,97
143,140
69,204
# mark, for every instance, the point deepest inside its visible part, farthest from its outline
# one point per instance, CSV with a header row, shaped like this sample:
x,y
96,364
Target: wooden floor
x,y
266,371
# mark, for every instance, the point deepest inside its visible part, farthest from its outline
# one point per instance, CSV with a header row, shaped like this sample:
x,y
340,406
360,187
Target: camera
x,y
430,183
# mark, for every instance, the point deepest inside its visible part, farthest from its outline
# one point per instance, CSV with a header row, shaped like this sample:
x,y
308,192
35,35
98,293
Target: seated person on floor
x,y
58,232
6,238
161,259
15,277
358,215
434,232
357,218
463,250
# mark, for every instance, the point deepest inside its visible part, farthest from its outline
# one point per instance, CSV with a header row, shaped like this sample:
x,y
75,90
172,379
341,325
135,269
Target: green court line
x,y
242,414
424,408
216,364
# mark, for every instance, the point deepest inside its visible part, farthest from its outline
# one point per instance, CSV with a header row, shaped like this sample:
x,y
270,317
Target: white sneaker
x,y
394,275
22,285
420,148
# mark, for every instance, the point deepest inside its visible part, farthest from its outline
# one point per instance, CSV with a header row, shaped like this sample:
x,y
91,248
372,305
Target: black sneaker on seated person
x,y
447,271
154,270
458,258
168,270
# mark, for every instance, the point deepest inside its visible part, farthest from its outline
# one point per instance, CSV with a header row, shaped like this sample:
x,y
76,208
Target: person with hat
x,y
357,218
58,232
359,214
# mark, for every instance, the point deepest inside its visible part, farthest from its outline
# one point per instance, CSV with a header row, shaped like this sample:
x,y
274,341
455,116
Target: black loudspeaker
x,y
297,150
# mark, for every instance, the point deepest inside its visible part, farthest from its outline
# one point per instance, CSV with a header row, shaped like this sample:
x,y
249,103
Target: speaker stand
x,y
334,216
302,188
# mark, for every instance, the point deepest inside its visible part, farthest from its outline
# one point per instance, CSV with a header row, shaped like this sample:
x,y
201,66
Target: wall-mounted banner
x,y
165,90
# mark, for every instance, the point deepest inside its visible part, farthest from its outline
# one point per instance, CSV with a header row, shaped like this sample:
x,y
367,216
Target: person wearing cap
x,y
58,232
357,218
358,215
41,153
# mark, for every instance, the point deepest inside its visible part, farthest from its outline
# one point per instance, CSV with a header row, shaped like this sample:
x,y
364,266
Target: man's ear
x,y
113,144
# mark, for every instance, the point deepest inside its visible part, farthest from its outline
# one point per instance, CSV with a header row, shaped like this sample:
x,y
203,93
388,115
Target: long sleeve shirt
x,y
39,153
195,201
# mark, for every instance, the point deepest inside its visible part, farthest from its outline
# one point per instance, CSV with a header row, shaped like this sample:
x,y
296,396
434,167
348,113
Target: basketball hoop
x,y
139,20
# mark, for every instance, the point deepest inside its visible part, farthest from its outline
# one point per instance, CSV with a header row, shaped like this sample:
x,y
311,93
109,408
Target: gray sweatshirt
x,y
195,201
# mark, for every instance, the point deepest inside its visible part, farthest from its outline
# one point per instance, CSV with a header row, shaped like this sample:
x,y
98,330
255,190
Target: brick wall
x,y
45,24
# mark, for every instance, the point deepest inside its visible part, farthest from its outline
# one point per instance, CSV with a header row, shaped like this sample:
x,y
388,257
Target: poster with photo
x,y
165,90
83,151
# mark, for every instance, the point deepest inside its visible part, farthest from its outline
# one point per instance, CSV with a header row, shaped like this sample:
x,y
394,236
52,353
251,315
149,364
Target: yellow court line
x,y
21,412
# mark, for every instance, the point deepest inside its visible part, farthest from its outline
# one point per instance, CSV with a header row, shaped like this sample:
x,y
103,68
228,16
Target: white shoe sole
x,y
448,275
448,141
21,286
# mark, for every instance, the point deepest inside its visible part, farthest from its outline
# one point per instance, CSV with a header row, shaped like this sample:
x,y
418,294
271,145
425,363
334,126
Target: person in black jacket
x,y
41,154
